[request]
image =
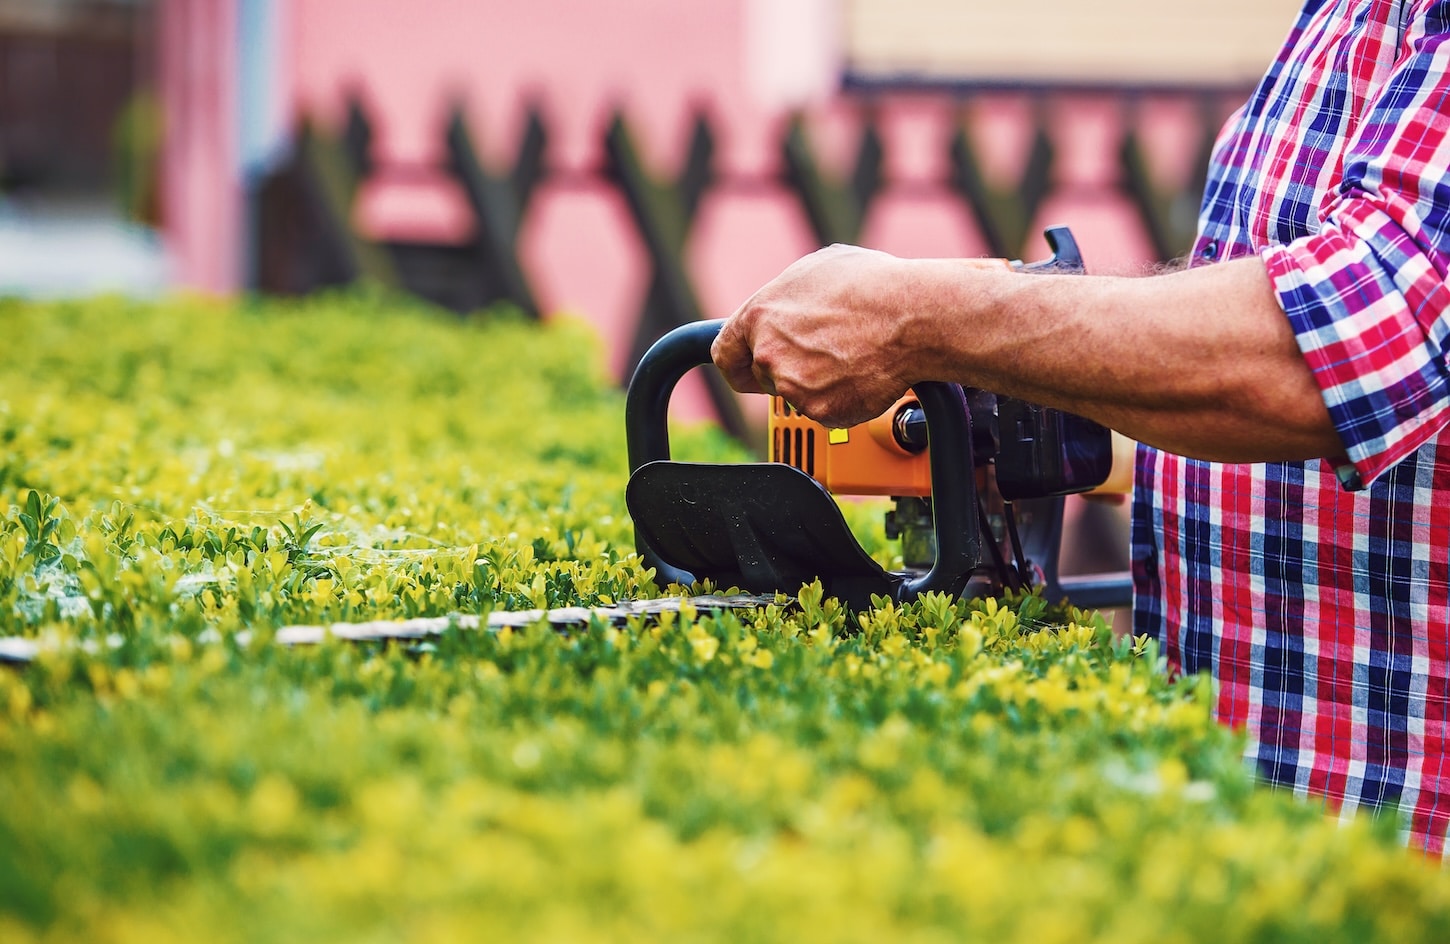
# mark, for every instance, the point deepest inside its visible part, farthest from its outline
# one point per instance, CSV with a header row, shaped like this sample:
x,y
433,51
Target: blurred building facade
x,y
237,77
67,74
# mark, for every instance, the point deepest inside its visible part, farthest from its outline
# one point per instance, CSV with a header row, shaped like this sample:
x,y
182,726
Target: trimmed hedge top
x,y
173,474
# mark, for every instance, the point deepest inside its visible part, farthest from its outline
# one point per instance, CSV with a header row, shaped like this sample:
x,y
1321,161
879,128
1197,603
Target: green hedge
x,y
173,474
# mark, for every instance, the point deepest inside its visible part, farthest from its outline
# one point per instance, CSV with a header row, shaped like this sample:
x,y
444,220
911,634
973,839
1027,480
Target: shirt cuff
x,y
1365,306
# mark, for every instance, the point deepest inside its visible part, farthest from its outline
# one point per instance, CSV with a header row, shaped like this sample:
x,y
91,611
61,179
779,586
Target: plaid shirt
x,y
1318,594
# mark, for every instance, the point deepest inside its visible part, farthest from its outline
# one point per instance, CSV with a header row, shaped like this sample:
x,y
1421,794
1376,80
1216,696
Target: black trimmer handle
x,y
647,404
949,432
647,413
1065,258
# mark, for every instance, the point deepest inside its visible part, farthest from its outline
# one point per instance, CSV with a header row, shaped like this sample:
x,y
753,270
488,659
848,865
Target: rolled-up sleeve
x,y
1366,293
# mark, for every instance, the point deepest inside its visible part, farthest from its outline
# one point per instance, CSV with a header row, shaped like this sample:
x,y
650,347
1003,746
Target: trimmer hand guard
x,y
763,526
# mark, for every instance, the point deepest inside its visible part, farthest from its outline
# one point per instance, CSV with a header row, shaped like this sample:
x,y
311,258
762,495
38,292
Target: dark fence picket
x,y
498,203
1004,215
357,138
529,168
305,239
836,210
1169,214
330,181
663,212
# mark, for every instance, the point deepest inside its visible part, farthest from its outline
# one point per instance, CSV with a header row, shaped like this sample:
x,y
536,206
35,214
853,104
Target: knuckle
x,y
817,407
764,360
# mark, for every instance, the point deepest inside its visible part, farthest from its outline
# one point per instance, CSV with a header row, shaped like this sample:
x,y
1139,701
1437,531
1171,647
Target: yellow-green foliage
x,y
228,464
944,771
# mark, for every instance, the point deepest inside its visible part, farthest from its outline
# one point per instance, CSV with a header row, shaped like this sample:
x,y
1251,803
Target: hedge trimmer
x,y
977,483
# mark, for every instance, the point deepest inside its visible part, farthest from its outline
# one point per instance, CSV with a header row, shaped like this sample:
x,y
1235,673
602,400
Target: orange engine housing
x,y
859,460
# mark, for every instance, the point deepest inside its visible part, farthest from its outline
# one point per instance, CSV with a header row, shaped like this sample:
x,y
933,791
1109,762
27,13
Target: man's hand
x,y
826,335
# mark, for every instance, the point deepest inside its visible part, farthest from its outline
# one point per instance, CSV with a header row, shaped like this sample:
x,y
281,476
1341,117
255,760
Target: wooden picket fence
x,y
304,238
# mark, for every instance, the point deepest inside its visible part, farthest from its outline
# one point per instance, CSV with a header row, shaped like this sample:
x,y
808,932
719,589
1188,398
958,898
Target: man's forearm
x,y
1201,362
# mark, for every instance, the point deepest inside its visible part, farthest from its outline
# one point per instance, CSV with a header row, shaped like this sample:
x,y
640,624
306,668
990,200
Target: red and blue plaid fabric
x,y
1318,594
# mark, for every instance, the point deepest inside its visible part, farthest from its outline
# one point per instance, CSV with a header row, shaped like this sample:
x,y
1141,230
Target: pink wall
x,y
200,193
657,59
656,56
749,61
